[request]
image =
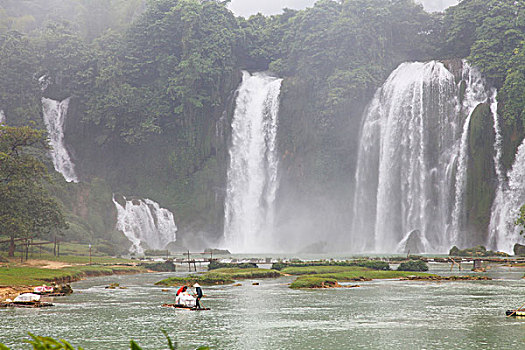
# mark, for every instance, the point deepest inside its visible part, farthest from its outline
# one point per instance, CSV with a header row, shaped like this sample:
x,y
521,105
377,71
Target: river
x,y
380,314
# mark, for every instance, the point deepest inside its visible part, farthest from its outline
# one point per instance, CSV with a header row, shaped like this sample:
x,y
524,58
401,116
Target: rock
x,y
113,286
255,283
412,243
237,284
165,290
519,249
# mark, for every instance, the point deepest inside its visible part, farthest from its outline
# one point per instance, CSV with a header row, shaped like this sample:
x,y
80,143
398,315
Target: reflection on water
x,y
379,315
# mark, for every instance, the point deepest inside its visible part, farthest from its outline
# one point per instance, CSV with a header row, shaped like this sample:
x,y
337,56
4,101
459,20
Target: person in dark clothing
x,y
198,291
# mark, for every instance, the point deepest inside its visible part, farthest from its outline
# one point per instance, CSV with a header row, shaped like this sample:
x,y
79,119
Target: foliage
x,y
314,282
351,274
19,91
413,265
520,220
491,33
474,251
26,208
164,266
213,265
220,276
48,343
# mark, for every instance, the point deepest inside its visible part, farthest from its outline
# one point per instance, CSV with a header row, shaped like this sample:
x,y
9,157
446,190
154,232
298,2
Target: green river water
x,y
384,314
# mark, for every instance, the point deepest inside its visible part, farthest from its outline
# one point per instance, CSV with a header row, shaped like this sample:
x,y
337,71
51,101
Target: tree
x,y
19,90
26,208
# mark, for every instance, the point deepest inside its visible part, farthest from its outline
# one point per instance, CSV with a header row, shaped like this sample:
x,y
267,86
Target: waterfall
x,y
510,196
253,172
498,138
498,199
413,156
54,117
145,224
2,117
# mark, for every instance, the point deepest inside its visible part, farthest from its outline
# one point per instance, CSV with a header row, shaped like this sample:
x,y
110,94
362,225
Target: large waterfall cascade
x,y
145,224
253,172
54,117
413,157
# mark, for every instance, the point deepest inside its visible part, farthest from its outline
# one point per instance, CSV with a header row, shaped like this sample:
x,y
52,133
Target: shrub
x,y
413,265
214,264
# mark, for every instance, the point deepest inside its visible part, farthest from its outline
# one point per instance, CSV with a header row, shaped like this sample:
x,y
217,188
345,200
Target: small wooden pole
x,y
189,262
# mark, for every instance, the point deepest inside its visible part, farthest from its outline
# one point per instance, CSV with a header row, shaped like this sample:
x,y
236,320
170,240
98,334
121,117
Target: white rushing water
x,y
411,171
2,117
145,224
510,196
54,117
253,172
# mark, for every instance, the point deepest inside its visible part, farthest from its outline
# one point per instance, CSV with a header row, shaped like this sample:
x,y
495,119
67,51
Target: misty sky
x,y
268,7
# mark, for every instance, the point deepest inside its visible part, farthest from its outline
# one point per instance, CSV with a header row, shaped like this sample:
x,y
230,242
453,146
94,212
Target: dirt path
x,y
47,264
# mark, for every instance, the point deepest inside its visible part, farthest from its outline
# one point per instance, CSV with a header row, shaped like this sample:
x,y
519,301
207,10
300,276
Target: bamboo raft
x,y
25,304
194,308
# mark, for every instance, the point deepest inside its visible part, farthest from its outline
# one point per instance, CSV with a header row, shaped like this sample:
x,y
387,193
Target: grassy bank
x,y
220,276
330,276
32,276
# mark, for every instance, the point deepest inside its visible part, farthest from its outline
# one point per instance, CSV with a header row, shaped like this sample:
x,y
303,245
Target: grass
x,y
220,276
32,276
69,252
324,276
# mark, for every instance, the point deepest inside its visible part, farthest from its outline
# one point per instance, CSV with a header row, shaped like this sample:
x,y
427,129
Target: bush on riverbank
x,y
371,264
220,276
413,265
475,252
314,282
214,265
160,266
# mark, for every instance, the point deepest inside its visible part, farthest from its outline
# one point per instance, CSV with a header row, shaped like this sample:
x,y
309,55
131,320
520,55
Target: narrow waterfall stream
x,y
54,117
253,172
145,224
412,163
2,117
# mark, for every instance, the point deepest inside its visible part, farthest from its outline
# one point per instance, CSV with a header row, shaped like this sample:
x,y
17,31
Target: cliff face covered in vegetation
x,y
152,89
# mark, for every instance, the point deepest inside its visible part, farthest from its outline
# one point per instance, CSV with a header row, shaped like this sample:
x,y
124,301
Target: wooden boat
x,y
516,313
194,308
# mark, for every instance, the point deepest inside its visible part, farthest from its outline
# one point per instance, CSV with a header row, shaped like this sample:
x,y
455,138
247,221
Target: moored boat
x,y
518,312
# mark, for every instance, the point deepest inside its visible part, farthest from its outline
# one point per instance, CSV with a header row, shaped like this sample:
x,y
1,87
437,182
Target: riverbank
x,y
16,278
